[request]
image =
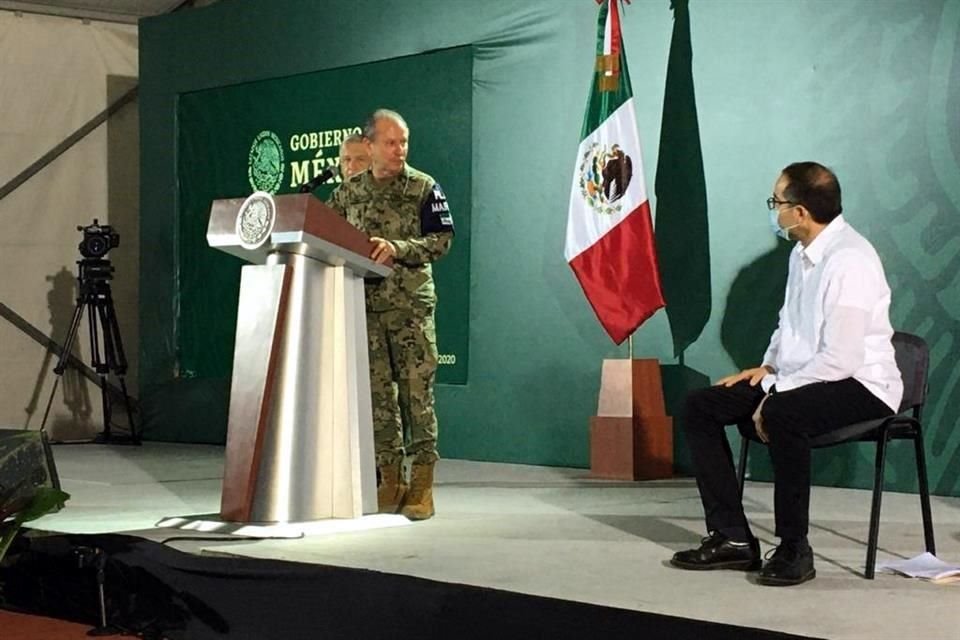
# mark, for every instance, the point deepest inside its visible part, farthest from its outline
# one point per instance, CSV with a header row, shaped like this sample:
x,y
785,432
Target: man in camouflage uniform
x,y
406,214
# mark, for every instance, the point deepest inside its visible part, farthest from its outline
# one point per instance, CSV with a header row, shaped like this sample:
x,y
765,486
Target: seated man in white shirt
x,y
830,363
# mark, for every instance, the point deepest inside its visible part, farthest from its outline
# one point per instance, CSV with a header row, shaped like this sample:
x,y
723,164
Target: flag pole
x,y
634,443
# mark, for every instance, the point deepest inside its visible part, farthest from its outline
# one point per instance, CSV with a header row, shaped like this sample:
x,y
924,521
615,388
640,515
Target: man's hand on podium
x,y
383,251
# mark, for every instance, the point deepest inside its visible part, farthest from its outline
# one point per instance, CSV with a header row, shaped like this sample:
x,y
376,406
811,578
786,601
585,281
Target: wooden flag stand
x,y
631,437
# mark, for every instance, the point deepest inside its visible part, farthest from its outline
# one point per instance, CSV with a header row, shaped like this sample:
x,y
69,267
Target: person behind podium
x,y
830,363
354,156
406,214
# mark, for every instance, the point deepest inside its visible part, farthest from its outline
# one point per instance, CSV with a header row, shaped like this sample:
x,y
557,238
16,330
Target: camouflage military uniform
x,y
411,212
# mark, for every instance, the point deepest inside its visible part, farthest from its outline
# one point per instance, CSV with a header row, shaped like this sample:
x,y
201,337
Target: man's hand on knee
x,y
754,375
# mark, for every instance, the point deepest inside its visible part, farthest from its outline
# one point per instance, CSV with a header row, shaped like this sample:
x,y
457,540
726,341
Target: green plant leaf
x,y
45,500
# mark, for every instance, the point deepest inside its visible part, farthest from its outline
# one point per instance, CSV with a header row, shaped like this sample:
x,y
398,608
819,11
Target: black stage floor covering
x,y
155,591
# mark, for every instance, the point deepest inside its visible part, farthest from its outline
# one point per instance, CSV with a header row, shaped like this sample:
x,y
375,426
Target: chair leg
x,y
875,506
924,494
742,463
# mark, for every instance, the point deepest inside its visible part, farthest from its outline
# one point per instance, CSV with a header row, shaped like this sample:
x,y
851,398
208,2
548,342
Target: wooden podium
x,y
300,434
631,437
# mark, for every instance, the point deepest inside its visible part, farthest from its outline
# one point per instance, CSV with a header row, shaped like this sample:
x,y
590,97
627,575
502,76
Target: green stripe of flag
x,y
602,104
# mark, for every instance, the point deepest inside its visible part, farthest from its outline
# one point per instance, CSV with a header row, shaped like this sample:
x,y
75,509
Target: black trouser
x,y
790,418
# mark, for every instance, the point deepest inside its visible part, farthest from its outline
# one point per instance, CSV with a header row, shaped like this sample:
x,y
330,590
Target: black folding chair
x,y
913,359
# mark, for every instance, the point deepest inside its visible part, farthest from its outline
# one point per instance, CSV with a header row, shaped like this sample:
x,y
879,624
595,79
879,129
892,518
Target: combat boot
x,y
392,487
419,501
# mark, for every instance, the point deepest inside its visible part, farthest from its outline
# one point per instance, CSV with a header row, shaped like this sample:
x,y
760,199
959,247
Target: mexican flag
x,y
610,242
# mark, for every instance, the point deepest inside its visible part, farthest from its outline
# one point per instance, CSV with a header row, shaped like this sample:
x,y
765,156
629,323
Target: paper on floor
x,y
925,566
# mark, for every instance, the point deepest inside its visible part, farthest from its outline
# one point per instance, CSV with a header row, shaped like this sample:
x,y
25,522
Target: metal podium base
x,y
300,438
300,430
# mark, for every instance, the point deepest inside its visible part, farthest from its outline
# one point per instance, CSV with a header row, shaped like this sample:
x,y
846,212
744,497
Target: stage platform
x,y
556,533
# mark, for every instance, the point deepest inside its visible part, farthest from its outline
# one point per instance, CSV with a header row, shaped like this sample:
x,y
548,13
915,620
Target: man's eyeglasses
x,y
773,202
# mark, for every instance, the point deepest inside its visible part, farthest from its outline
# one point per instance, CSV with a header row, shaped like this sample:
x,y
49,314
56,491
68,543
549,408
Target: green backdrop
x,y
308,115
869,88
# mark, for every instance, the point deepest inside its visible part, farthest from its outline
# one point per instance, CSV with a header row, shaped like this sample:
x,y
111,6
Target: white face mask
x,y
783,232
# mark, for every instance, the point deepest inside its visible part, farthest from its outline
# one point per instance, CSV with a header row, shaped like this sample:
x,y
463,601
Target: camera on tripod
x,y
98,239
95,300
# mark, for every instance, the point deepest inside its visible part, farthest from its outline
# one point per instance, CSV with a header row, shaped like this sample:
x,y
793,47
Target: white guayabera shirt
x,y
835,323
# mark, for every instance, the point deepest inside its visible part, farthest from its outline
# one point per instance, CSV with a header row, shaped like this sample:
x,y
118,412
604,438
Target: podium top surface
x,y
296,223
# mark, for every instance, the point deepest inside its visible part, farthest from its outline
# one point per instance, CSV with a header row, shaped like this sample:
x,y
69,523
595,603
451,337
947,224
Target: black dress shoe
x,y
790,564
717,551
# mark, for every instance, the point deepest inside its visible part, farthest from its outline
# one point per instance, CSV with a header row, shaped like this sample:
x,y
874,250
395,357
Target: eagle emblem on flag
x,y
605,174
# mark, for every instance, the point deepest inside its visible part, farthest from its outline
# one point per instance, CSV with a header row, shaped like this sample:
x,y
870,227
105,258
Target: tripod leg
x,y
71,336
61,365
116,358
134,432
98,365
115,348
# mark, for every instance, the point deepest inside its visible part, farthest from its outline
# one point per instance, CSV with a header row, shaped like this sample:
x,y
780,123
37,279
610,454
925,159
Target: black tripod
x,y
106,346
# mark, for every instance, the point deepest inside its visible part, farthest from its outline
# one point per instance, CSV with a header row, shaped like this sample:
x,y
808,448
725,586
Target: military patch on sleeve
x,y
435,213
